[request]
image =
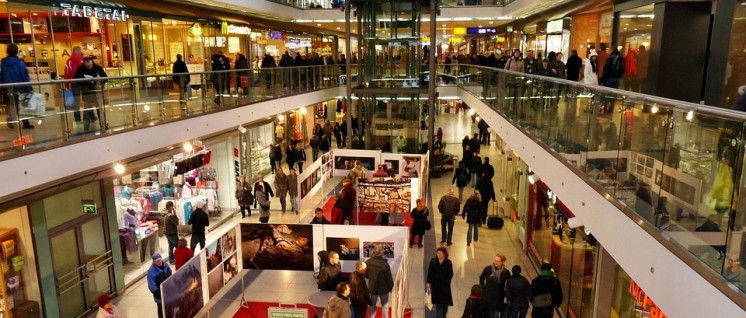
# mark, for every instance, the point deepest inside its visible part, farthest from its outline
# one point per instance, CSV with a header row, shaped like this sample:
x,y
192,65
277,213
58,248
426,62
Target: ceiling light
x,y
491,22
480,26
119,168
318,24
690,115
654,109
188,147
444,25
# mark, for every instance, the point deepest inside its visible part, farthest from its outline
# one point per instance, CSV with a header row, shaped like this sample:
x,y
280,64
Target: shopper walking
x,y
448,207
300,157
475,306
182,254
613,69
171,229
181,78
199,222
546,293
475,168
275,156
157,273
325,144
461,179
574,63
264,203
359,292
244,196
487,191
314,143
349,195
281,186
268,193
473,216
331,274
338,135
71,66
380,281
419,219
590,69
339,305
242,78
439,275
493,280
293,190
290,155
92,92
517,293
13,70
487,169
106,308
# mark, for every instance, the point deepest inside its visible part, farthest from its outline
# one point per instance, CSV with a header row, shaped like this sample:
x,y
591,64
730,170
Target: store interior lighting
x,y
242,129
119,168
188,147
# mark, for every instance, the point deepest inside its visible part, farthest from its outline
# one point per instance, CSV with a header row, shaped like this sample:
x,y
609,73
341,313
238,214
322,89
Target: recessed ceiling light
x,y
444,25
318,24
491,22
337,28
480,26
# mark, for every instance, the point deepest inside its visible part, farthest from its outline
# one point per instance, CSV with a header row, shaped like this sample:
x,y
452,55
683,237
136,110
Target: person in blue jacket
x,y
158,272
13,70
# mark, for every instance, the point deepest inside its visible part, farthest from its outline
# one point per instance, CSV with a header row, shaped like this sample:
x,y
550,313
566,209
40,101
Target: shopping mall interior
x,y
397,158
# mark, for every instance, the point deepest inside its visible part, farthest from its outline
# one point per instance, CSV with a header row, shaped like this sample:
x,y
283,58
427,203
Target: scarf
x,y
496,273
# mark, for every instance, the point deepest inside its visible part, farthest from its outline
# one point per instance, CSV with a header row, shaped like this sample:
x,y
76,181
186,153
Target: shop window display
x,y
256,143
634,38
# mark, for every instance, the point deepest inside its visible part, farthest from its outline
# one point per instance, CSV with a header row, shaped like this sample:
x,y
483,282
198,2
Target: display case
x,y
11,265
256,144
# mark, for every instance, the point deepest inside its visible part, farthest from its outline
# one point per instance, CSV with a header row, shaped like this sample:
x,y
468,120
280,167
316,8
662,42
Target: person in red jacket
x,y
380,173
182,254
72,64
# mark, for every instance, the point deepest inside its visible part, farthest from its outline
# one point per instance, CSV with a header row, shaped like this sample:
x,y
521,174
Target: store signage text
x,y
227,28
481,30
23,140
644,301
83,11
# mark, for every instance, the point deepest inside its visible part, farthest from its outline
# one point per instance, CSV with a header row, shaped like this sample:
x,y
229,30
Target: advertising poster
x,y
277,246
388,249
182,292
412,167
384,195
348,248
215,281
213,255
347,163
307,184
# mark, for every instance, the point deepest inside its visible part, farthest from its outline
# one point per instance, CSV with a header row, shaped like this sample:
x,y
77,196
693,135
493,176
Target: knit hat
x,y
103,300
200,204
593,53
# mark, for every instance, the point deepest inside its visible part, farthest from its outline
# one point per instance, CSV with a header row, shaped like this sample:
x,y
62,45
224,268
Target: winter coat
x,y
13,70
488,171
281,184
494,287
380,281
300,155
475,165
329,276
418,221
268,193
475,308
449,207
574,63
589,76
517,292
359,293
244,195
75,61
557,69
486,189
356,173
544,284
314,142
181,256
276,153
349,195
515,65
156,276
181,68
82,72
264,204
290,156
472,211
464,181
293,185
337,307
199,221
439,277
325,144
338,212
531,66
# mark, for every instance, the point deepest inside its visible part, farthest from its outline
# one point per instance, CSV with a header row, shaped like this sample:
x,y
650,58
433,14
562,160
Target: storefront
x,y
571,251
19,281
591,31
256,144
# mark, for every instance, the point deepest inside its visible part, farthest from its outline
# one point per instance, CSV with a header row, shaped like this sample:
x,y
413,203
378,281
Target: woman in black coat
x,y
461,178
439,275
419,218
475,306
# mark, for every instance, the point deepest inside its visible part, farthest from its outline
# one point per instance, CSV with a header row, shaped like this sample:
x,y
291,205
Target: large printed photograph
x,y
307,185
277,246
348,248
347,163
384,195
182,292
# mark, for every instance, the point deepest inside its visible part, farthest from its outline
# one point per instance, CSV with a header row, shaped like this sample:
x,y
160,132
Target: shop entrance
x,y
82,264
395,123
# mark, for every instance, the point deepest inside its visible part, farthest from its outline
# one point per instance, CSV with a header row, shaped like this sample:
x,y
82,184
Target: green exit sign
x,y
89,207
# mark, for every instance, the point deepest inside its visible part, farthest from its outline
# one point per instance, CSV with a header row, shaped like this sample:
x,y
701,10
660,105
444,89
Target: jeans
x,y
245,209
359,311
517,313
283,204
384,305
474,179
461,194
298,166
446,230
294,202
197,239
160,309
173,241
472,228
315,152
440,310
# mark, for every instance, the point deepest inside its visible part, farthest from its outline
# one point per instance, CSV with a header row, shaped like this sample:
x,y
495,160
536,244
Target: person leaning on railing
x,y
90,90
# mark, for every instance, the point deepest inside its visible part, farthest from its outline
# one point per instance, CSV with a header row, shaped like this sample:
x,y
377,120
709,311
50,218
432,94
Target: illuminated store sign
x,y
481,31
227,28
643,301
84,11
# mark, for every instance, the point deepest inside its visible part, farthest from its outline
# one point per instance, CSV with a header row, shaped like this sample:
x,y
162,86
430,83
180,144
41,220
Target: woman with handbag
x,y
475,307
439,275
419,222
263,202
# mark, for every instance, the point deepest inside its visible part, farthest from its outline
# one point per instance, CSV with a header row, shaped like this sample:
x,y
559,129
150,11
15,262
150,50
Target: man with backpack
x,y
546,292
613,70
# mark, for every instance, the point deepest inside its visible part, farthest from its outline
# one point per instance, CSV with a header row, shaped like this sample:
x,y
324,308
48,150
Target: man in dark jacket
x,y
380,280
331,274
157,273
359,292
475,168
300,157
325,144
448,207
573,65
473,216
92,92
182,80
517,293
199,221
487,190
314,143
530,64
546,293
613,70
349,195
13,70
487,169
268,62
319,217
493,280
475,143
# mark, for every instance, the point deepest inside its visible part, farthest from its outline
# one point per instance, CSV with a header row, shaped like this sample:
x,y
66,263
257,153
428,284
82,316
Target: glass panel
x,y
66,206
634,38
65,257
97,260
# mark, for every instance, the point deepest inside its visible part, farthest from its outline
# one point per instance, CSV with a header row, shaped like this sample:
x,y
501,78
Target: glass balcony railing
x,y
337,4
49,114
678,166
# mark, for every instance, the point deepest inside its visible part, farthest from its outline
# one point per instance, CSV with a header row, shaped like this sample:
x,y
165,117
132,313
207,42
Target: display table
x,y
148,241
318,301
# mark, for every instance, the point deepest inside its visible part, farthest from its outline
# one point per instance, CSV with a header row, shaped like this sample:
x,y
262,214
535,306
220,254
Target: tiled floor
x,y
295,286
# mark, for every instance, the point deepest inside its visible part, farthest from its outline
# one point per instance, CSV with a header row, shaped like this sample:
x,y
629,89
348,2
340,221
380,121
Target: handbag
x,y
244,81
428,299
428,225
70,101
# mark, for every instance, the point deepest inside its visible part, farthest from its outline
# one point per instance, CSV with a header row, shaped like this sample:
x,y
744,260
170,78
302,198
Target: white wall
x,y
675,287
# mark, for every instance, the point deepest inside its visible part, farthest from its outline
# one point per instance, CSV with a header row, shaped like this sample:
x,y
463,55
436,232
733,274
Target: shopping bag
x,y
70,101
428,299
244,81
31,104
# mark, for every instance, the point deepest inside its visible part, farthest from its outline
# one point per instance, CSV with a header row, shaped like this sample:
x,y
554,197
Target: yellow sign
x,y
426,39
456,39
261,41
459,31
